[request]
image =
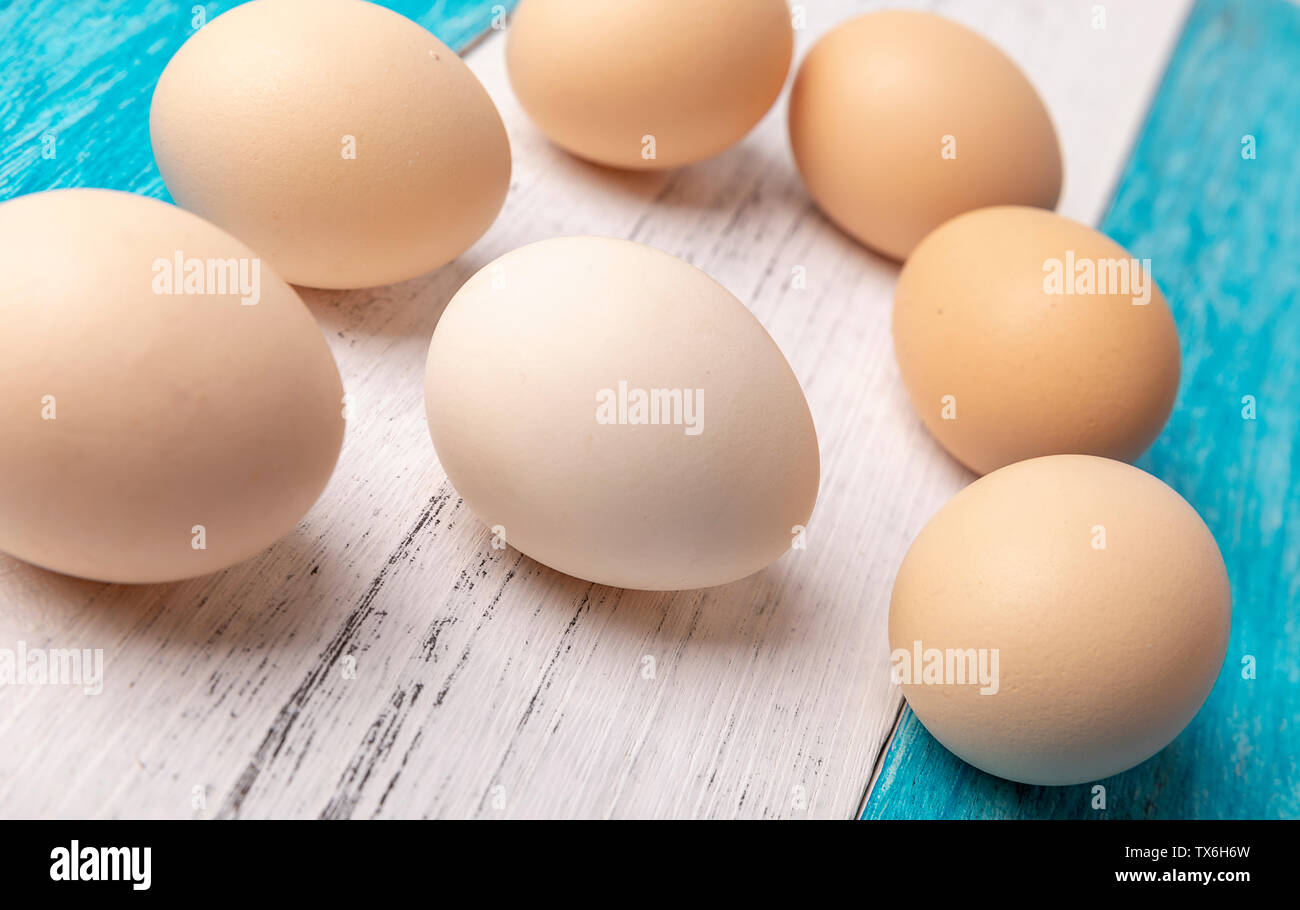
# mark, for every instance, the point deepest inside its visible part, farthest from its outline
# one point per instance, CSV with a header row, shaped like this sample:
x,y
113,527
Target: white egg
x,y
618,415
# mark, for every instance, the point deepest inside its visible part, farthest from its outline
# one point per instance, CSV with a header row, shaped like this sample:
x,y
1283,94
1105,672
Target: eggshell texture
x,y
516,371
1107,601
339,139
900,120
131,417
1030,370
598,77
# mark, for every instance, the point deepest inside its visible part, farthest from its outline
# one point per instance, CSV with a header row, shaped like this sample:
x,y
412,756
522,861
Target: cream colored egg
x,y
900,120
340,140
617,415
648,83
1060,620
1022,333
169,405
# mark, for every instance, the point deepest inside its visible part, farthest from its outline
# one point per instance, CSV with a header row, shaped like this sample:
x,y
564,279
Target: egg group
x,y
337,138
618,415
169,405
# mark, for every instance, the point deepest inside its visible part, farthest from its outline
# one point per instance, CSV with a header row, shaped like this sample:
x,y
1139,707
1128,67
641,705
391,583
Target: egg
x,y
1060,620
900,120
618,415
340,140
648,84
169,405
1021,333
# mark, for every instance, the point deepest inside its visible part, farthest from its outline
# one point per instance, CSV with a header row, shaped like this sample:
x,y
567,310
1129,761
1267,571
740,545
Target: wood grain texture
x,y
383,660
1223,236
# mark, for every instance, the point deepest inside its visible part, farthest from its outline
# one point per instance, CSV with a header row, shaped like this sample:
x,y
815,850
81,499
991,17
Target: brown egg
x,y
169,405
1060,620
1022,333
648,83
339,139
900,120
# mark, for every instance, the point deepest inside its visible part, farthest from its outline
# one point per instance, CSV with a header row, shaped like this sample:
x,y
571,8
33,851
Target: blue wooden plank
x,y
1223,233
80,74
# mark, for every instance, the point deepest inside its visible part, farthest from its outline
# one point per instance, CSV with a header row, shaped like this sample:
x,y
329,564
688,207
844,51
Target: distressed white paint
x,y
486,685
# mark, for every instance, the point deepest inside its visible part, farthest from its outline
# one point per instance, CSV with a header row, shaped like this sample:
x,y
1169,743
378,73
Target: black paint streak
x,y
564,645
344,641
378,742
375,747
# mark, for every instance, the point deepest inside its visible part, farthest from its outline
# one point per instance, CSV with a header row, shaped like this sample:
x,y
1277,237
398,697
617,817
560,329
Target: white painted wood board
x,y
486,685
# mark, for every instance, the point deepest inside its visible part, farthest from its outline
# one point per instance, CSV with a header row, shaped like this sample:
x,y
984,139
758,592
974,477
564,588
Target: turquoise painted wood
x,y
1223,234
78,76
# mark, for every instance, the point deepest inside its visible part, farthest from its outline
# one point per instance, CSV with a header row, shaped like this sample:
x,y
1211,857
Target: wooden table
x,y
384,661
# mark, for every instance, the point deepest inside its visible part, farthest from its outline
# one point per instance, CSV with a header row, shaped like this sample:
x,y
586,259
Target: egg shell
x,y
132,417
598,77
900,120
516,372
1002,366
1106,598
342,141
